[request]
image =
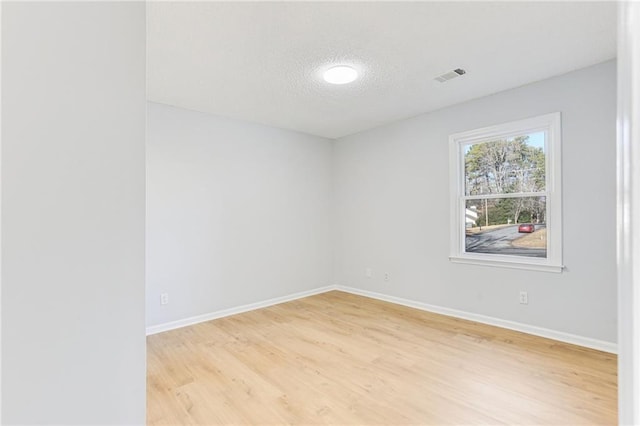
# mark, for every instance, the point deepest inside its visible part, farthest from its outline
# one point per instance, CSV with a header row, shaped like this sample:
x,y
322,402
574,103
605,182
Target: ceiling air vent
x,y
450,75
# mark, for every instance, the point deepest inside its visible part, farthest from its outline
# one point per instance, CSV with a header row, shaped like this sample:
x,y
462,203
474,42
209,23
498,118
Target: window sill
x,y
496,263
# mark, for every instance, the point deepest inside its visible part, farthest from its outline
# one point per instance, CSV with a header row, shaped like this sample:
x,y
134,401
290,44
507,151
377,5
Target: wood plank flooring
x,y
340,359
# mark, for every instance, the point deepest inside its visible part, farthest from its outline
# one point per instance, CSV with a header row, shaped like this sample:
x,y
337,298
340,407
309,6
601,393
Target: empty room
x,y
337,213
319,254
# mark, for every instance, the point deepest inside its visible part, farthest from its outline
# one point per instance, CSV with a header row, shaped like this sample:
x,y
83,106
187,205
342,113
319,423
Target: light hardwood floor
x,y
338,359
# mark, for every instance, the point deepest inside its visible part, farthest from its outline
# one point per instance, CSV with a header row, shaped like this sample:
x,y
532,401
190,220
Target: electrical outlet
x,y
164,298
368,273
387,276
524,298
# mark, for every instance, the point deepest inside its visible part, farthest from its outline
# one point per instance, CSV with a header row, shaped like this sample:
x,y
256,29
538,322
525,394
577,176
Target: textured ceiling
x,y
262,62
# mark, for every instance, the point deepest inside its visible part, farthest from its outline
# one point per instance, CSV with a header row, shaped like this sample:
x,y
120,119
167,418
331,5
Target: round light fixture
x,y
340,74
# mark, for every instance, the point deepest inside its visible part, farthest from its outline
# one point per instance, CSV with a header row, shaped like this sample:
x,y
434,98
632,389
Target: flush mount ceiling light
x,y
341,74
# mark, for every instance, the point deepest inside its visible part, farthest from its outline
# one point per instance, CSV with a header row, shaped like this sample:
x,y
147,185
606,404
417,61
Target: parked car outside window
x,y
526,227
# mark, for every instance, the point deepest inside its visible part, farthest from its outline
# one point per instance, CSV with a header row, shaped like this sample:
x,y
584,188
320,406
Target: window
x,y
506,195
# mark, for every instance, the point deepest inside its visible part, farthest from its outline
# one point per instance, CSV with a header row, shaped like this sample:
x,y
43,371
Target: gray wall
x,y
73,130
392,209
237,213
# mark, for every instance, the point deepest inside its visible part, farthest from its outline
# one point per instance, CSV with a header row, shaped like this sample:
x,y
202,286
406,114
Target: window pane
x,y
507,226
505,166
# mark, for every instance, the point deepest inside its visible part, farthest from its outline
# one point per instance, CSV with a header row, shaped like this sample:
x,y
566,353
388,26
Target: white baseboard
x,y
154,329
511,325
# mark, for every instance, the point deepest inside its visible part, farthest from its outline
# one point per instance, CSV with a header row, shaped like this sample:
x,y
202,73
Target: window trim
x,y
551,124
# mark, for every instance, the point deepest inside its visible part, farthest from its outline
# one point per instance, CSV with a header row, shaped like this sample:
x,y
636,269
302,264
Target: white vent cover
x,y
450,75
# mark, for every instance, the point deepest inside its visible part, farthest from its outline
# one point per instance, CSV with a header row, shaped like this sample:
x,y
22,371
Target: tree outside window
x,y
506,195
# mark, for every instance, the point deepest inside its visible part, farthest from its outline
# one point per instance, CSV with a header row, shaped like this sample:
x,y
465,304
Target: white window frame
x,y
551,125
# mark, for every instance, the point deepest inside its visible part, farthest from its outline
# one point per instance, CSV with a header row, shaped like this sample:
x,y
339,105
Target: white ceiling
x,y
262,62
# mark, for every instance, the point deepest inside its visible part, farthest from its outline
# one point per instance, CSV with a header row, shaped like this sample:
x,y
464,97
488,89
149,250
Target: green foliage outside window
x,y
506,166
